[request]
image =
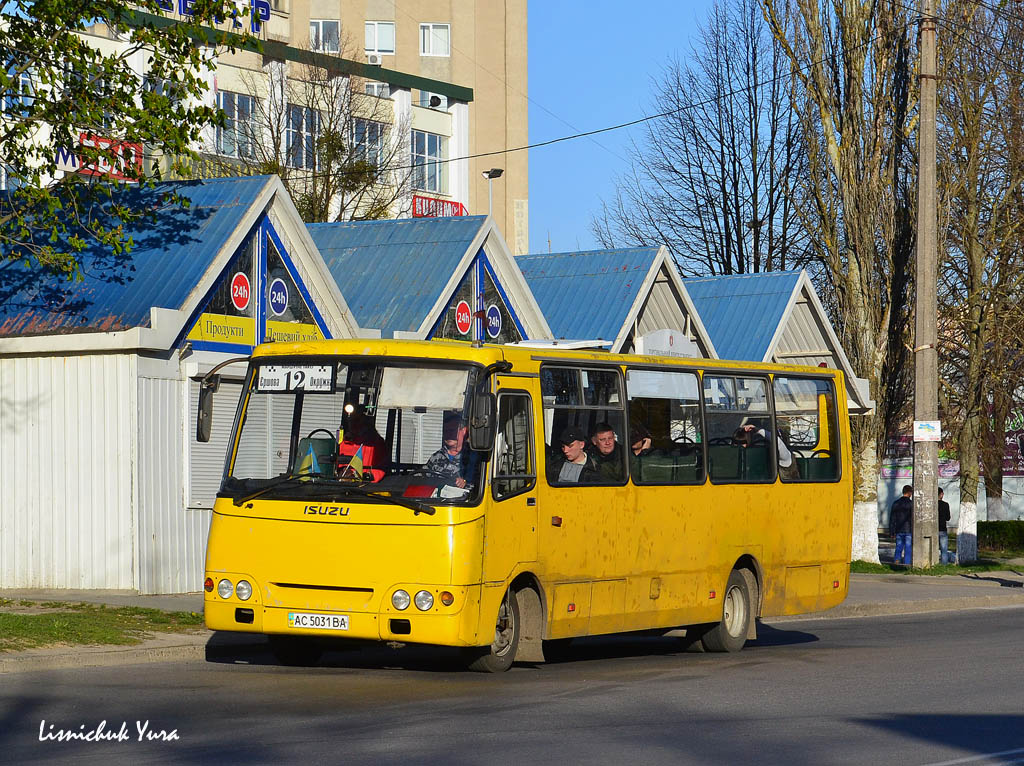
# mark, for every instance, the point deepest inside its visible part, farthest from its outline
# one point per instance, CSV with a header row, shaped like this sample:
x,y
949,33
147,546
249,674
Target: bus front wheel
x,y
730,634
499,656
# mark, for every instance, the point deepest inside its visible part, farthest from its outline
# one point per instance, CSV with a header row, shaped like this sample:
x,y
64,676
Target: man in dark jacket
x,y
945,557
901,526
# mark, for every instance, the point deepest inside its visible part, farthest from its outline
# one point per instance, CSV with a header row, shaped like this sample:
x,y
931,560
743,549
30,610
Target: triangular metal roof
x,y
599,294
177,258
773,316
398,275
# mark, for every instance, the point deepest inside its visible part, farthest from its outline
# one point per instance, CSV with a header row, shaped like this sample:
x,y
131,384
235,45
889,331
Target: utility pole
x,y
926,389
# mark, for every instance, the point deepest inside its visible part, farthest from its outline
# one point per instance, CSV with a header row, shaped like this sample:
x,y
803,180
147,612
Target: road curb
x,y
897,608
97,657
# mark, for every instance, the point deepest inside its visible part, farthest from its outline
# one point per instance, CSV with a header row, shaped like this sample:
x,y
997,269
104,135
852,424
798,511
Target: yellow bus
x,y
498,498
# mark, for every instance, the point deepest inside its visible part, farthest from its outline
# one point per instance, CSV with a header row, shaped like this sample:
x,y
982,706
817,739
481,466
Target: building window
x,y
433,100
324,35
21,90
430,171
379,89
368,140
235,139
380,37
435,40
303,126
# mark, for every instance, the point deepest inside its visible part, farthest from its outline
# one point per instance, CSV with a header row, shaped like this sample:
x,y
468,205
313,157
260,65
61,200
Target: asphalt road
x,y
944,688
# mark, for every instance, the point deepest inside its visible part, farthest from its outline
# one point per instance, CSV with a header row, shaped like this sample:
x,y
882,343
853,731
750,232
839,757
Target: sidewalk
x,y
870,595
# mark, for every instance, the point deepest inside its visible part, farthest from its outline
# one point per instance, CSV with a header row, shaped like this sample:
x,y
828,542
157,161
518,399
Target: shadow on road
x,y
246,649
768,635
993,735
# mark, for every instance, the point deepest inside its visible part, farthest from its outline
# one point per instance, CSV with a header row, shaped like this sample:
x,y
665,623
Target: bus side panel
x,y
665,544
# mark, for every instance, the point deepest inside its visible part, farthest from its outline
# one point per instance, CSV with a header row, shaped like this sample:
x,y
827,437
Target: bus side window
x,y
514,471
805,410
588,403
666,440
742,444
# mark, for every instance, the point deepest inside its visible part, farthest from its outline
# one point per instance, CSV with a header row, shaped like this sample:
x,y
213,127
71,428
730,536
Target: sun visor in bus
x,y
655,384
406,387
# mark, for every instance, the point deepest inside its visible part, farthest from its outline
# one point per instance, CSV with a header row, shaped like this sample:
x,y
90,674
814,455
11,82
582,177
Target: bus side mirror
x,y
482,422
204,418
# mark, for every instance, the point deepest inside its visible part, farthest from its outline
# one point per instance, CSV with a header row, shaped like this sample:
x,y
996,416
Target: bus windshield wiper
x,y
416,506
280,480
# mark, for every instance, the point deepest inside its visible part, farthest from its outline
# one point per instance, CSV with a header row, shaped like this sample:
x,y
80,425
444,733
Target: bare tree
x,y
714,177
852,60
336,144
981,172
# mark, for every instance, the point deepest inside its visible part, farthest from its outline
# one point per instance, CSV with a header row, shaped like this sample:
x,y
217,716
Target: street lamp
x,y
490,175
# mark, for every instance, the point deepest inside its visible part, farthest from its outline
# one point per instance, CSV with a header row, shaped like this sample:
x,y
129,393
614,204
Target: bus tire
x,y
295,650
730,634
499,656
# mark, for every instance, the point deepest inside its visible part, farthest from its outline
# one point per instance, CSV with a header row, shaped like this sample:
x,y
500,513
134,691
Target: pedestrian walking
x,y
944,556
901,526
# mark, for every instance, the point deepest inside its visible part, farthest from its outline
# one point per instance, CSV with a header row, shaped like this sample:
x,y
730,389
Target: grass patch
x,y
86,624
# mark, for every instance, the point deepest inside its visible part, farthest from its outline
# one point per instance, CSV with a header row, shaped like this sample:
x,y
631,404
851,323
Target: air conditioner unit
x,y
373,59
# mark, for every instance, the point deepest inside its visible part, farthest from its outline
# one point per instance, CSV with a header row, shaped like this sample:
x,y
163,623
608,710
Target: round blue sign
x,y
493,321
278,297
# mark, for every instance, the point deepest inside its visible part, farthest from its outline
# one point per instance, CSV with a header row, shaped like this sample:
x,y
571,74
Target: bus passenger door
x,y
510,526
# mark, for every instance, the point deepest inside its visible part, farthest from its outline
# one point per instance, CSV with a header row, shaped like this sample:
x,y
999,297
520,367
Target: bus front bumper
x,y
457,625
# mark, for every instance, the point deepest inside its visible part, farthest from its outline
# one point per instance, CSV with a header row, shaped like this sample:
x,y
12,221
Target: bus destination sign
x,y
316,379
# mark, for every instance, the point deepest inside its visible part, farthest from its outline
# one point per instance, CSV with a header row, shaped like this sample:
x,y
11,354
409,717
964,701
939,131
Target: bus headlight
x,y
243,590
424,600
225,589
400,600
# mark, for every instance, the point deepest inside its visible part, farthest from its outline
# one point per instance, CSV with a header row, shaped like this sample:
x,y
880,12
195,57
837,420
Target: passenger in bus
x,y
607,453
452,461
640,446
746,435
575,466
361,434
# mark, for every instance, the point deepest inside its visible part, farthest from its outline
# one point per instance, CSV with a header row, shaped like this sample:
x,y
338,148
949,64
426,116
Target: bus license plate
x,y
303,620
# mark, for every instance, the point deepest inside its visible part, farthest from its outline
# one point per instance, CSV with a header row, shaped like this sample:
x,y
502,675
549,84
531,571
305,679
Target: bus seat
x,y
818,468
757,464
323,448
658,468
724,460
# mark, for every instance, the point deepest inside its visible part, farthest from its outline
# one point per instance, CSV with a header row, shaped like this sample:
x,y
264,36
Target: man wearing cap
x,y
451,461
576,465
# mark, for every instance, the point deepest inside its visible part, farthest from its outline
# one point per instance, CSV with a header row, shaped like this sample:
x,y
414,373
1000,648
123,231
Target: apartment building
x,y
477,44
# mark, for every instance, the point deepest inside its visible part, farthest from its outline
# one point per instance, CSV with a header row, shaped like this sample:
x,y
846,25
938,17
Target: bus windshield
x,y
320,428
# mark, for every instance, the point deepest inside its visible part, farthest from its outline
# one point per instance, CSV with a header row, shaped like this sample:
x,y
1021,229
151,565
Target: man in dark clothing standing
x,y
901,526
944,556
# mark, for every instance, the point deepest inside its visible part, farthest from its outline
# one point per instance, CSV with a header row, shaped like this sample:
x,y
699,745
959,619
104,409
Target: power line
x,y
637,121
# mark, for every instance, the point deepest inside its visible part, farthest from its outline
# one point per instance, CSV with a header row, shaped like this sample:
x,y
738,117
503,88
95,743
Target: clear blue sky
x,y
590,66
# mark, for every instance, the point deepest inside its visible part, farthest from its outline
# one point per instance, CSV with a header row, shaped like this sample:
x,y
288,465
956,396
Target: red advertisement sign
x,y
240,291
463,317
430,207
128,157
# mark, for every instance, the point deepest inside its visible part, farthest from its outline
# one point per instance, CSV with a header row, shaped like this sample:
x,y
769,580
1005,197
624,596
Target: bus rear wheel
x,y
499,656
730,634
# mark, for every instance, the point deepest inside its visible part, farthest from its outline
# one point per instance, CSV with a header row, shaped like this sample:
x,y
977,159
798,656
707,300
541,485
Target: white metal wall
x,y
172,537
67,437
